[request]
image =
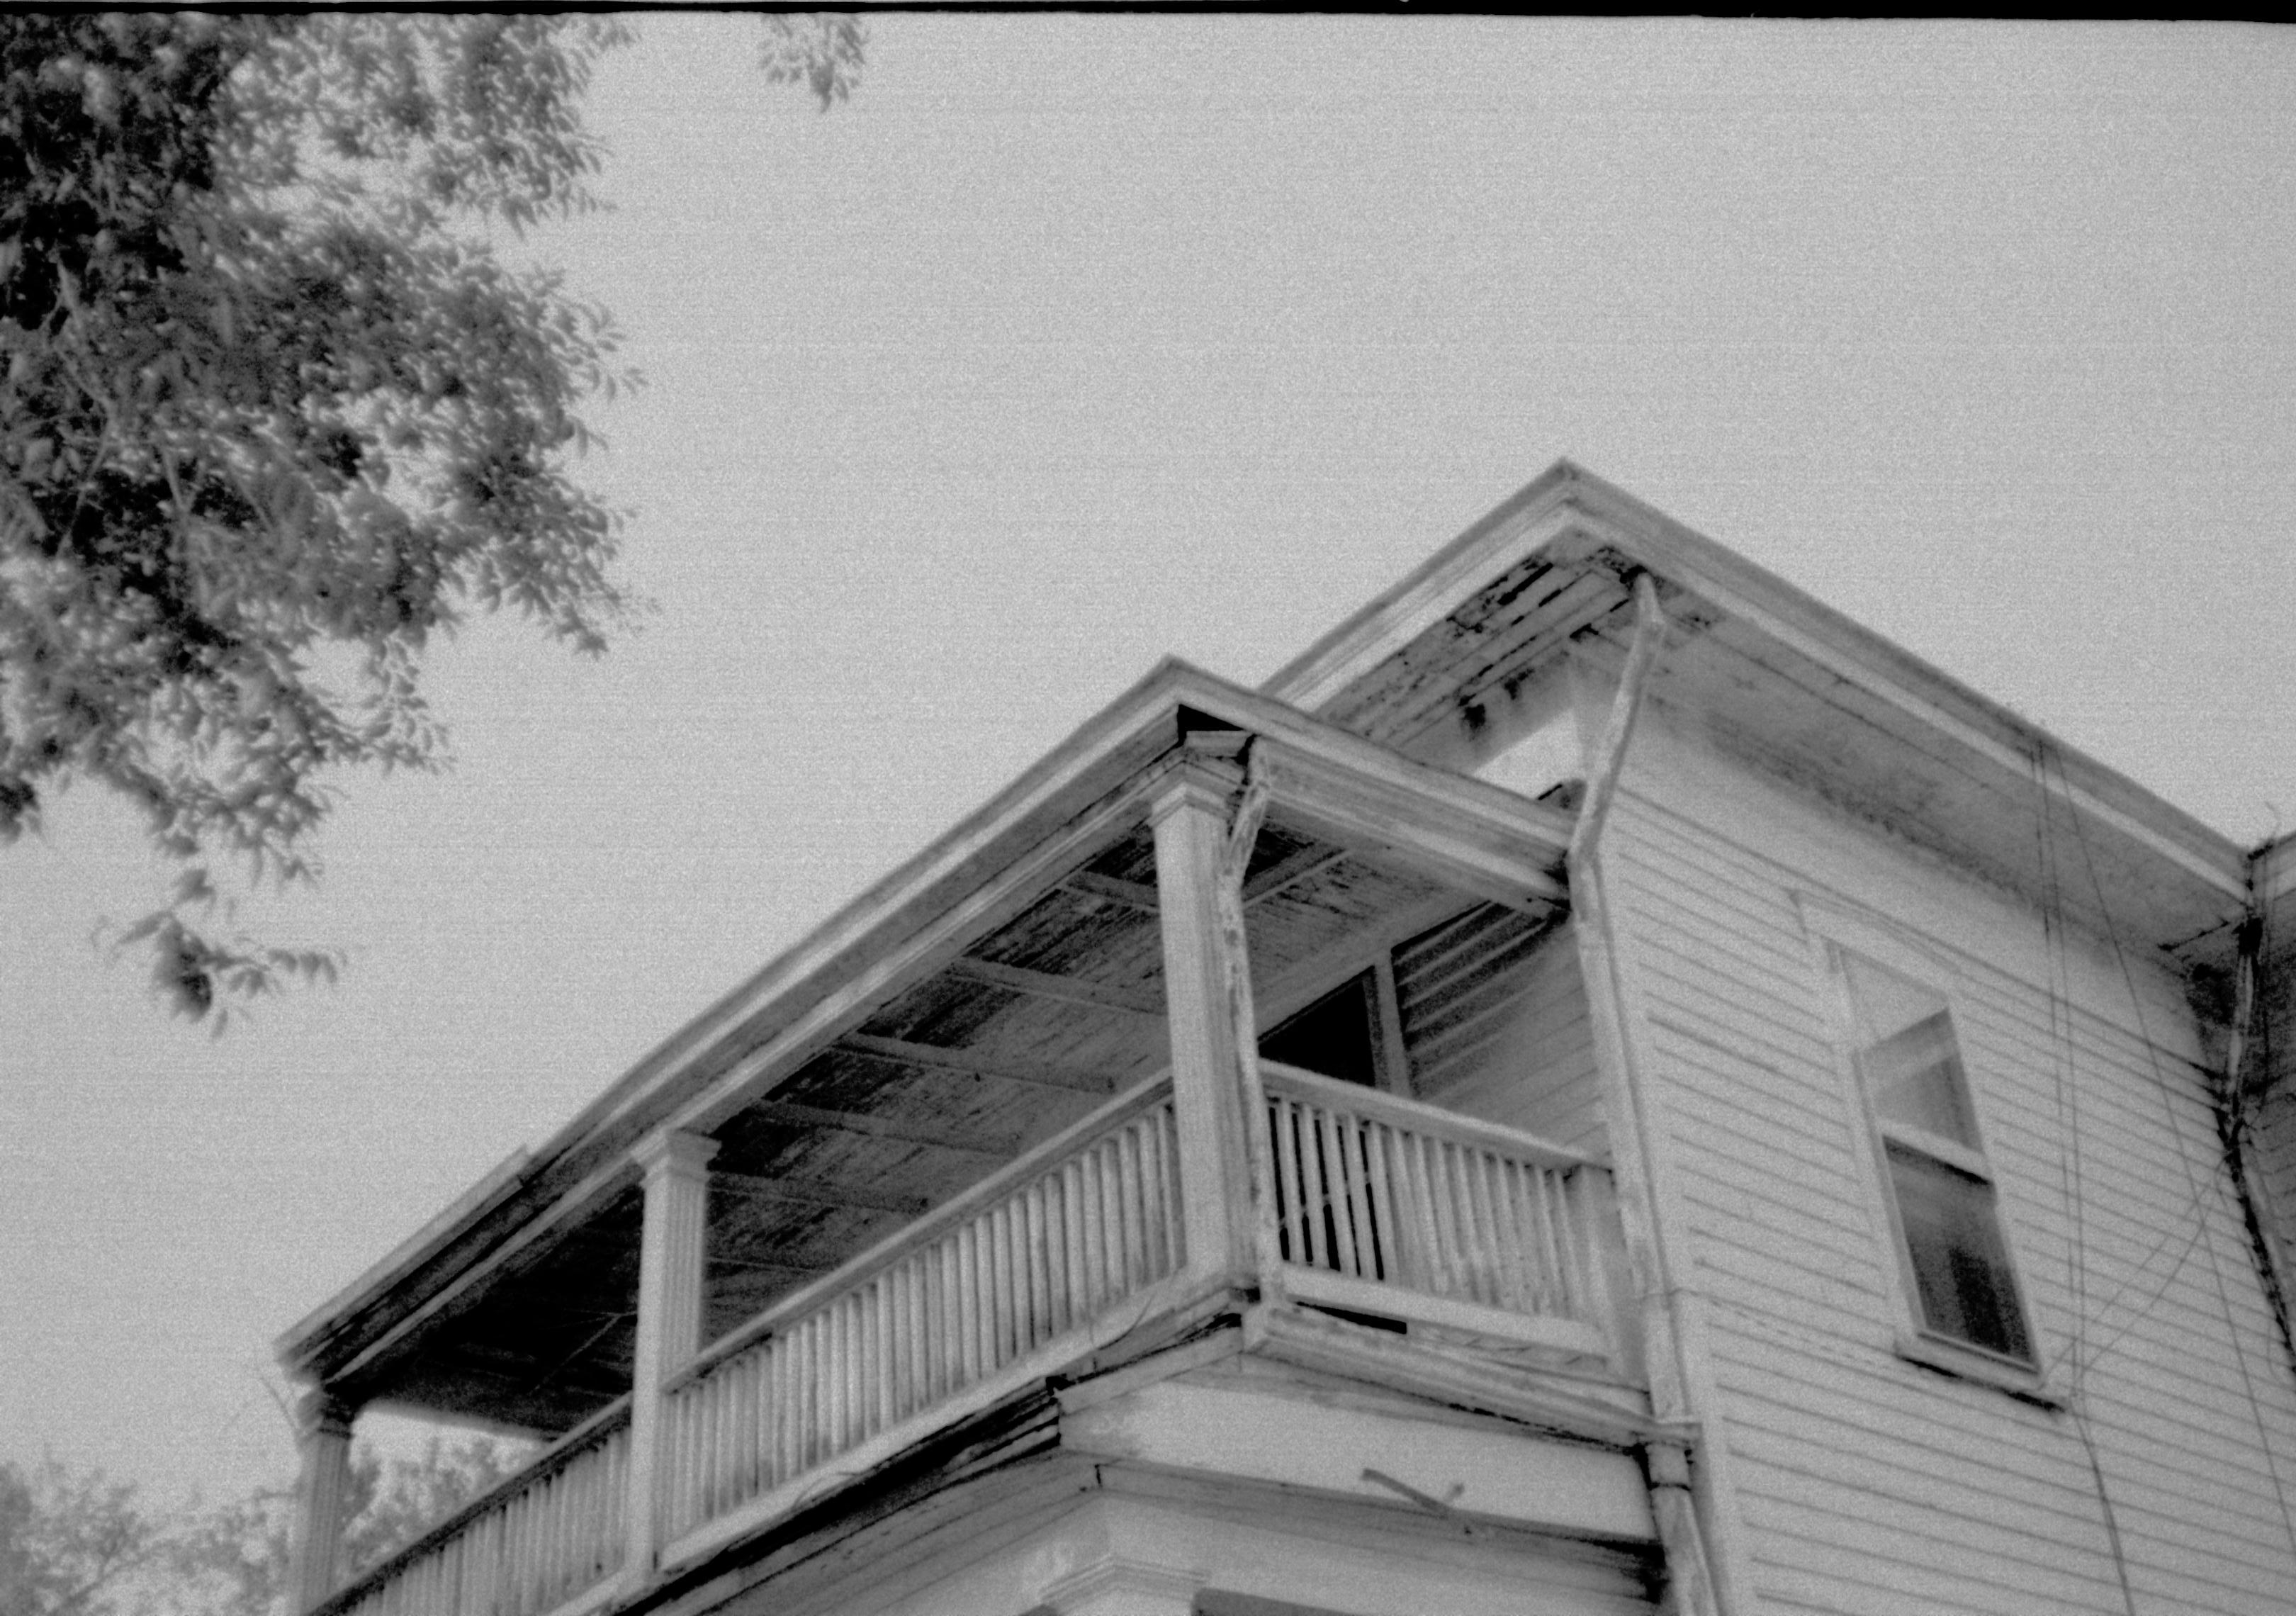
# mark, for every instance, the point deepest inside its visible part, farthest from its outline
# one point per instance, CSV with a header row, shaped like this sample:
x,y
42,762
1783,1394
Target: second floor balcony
x,y
1286,1051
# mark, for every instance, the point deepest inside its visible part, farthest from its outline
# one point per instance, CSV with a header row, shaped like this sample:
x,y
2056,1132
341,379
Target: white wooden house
x,y
1602,1086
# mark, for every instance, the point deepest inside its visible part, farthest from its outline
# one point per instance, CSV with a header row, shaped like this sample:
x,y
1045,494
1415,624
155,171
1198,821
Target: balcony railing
x,y
547,1534
1382,1206
1390,1206
947,1307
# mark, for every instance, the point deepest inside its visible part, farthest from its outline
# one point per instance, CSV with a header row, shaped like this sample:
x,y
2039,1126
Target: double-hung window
x,y
1934,1171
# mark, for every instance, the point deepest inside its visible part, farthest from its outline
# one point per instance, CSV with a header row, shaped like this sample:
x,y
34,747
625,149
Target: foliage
x,y
69,1542
78,1545
274,409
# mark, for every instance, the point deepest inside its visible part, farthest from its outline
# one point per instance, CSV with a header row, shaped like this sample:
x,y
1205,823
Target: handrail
x,y
956,1210
551,1460
1396,1112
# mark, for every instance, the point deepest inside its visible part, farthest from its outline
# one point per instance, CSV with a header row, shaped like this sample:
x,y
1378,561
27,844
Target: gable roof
x,y
1770,672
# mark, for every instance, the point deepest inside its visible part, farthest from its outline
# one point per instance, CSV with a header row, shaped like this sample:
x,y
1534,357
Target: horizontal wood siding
x,y
1865,1482
1496,1024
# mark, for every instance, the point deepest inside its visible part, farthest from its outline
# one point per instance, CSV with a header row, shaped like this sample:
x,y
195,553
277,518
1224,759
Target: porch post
x,y
324,1438
1207,996
671,1255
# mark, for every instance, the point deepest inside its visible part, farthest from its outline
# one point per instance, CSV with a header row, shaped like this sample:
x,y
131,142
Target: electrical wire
x,y
2056,950
2192,1178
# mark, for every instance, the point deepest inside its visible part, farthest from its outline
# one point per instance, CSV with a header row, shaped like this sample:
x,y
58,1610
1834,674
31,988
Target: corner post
x,y
1200,848
322,1434
672,1251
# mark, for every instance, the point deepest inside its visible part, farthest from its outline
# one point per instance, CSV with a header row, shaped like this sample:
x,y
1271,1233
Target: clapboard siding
x,y
2039,1497
1863,1482
1537,1072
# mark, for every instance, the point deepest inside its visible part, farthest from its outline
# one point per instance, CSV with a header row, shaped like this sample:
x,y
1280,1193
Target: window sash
x,y
1950,1232
1952,1247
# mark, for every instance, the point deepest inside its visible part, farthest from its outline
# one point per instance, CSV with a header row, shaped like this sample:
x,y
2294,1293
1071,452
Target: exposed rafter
x,y
935,1057
1098,996
1291,872
766,1265
1133,894
1139,895
937,1135
804,1192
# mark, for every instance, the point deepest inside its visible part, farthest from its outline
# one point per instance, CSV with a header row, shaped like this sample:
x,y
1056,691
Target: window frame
x,y
1836,938
1372,957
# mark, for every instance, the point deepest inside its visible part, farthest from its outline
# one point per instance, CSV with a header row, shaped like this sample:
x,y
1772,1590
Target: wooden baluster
x,y
852,1416
828,1378
1520,1281
1362,1252
1130,1238
1492,1266
1443,1199
1518,1237
705,1405
1168,1193
1088,1247
1112,1221
531,1545
556,1564
900,1336
1024,1275
1386,1221
789,1418
1072,1254
972,1296
1565,1284
1323,1232
1418,1229
941,1318
889,1346
1059,1271
1022,1279
1000,1289
1284,1138
804,1410
1044,1197
923,1269
528,1529
1473,1236
1028,1233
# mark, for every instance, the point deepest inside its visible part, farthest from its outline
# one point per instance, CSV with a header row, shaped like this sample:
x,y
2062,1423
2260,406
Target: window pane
x,y
1961,1268
1906,1045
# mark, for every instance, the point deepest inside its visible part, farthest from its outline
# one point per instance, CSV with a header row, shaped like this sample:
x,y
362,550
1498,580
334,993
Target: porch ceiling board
x,y
902,1052
1067,989
799,1192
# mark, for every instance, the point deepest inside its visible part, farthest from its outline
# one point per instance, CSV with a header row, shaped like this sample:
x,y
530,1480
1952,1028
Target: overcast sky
x,y
1071,342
